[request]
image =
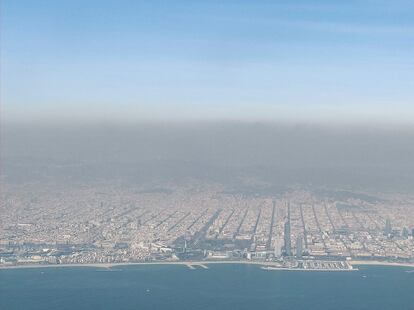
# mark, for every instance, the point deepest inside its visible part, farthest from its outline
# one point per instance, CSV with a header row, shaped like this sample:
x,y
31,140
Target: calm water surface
x,y
219,287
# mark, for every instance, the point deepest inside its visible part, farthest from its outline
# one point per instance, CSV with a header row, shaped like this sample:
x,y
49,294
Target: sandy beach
x,y
378,263
193,263
111,265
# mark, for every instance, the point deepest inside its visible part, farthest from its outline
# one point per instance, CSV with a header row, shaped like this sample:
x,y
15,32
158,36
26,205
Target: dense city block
x,y
118,224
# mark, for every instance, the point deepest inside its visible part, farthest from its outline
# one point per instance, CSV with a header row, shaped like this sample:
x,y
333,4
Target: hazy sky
x,y
300,60
225,152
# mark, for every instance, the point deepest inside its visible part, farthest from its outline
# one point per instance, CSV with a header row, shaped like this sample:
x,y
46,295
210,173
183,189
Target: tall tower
x,y
278,247
299,247
186,237
387,229
288,244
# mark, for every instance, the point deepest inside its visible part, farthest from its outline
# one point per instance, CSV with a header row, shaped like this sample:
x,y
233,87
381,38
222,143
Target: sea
x,y
221,286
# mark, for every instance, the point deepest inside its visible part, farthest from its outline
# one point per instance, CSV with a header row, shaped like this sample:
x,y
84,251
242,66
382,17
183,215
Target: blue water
x,y
219,287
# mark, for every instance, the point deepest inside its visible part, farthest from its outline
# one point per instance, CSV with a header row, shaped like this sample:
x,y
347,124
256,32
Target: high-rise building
x,y
278,247
405,233
288,245
272,219
299,247
388,228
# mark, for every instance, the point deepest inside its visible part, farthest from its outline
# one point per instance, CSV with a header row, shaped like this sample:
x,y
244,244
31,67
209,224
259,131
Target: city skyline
x,y
196,223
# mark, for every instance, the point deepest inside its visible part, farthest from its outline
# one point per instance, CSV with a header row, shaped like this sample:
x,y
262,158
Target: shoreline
x,y
193,263
111,265
379,263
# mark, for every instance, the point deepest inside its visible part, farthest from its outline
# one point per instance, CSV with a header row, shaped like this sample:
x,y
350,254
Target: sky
x,y
335,61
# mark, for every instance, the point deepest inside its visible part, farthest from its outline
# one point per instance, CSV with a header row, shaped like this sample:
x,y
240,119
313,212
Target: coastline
x,y
195,263
379,263
111,265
